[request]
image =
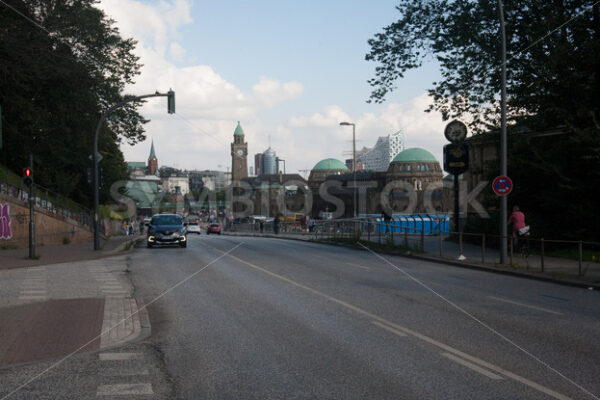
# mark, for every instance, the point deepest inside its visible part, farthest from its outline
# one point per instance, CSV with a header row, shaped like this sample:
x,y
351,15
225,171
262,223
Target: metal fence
x,y
431,236
45,199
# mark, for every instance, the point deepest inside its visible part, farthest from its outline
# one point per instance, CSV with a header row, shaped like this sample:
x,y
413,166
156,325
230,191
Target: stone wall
x,y
50,229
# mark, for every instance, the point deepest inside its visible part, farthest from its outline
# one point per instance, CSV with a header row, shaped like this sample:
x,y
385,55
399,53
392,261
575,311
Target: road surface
x,y
260,318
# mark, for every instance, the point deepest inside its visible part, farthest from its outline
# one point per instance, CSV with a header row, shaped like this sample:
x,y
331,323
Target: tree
x,y
552,66
552,82
61,63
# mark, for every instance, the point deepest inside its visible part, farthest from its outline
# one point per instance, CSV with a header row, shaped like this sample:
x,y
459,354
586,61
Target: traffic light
x,y
171,101
28,177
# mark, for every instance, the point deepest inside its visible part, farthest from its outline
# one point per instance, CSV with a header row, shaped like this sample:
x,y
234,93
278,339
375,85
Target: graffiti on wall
x,y
5,232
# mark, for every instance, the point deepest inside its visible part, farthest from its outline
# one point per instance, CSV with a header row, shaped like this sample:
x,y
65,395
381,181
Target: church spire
x,y
152,154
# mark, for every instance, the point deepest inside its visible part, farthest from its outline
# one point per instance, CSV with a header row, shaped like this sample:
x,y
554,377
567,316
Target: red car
x,y
213,228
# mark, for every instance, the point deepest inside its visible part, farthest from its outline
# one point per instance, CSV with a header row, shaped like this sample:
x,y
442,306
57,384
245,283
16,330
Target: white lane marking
x,y
126,372
119,356
472,366
359,266
427,339
525,305
388,328
121,389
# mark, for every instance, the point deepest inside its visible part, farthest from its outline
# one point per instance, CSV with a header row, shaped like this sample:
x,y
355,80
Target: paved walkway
x,y
558,269
54,310
57,254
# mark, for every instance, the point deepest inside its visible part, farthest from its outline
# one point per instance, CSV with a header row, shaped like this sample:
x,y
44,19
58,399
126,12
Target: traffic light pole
x,y
103,116
31,215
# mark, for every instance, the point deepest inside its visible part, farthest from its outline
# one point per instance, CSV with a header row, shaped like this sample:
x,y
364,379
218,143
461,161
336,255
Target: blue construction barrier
x,y
412,224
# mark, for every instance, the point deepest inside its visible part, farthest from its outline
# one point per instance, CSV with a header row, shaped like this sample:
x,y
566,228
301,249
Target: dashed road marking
x,y
120,356
122,389
389,328
472,366
359,266
525,305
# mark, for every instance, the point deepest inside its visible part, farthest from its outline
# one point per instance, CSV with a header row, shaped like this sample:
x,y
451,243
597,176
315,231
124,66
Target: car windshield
x,y
166,220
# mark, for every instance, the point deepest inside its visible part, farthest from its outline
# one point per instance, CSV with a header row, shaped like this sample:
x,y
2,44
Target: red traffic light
x,y
27,172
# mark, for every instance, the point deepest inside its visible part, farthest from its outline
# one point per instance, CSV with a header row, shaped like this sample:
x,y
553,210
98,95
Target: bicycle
x,y
523,243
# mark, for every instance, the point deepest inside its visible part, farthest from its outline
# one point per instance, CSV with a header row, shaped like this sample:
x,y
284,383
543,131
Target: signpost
x,y
456,159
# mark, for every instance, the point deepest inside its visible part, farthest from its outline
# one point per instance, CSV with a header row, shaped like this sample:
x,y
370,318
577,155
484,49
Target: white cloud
x,y
177,51
208,106
271,91
321,136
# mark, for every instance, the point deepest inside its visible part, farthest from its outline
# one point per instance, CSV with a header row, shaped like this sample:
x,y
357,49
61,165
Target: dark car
x,y
213,228
166,229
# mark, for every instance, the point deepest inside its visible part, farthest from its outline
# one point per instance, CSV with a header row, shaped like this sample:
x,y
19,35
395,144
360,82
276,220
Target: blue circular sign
x,y
502,185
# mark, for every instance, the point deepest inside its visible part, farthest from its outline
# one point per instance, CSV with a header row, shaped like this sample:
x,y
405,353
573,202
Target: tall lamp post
x,y
503,146
95,159
353,161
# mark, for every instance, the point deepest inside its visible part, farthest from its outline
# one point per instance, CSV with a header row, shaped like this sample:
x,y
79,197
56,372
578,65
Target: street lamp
x,y
353,160
96,156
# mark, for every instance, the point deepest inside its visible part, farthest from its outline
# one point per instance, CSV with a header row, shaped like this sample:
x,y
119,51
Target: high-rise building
x,y
258,164
269,162
378,157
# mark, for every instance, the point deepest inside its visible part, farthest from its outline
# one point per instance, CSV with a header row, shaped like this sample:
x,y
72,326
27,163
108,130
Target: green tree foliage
x,y
552,51
553,82
61,63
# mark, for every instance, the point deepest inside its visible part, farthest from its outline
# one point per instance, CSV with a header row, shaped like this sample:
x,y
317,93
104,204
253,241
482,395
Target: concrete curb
x,y
123,245
522,274
142,330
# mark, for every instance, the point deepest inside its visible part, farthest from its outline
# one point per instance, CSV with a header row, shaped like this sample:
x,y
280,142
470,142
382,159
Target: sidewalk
x,y
18,258
84,304
558,270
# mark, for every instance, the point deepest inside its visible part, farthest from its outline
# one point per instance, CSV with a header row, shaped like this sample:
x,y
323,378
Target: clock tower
x,y
239,153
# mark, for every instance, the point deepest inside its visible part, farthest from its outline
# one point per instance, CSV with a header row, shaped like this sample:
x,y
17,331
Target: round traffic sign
x,y
502,185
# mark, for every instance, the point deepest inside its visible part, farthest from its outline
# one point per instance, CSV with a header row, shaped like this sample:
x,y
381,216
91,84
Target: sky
x,y
289,71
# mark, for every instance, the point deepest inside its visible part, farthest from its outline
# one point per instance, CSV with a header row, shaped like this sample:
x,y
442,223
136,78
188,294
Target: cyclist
x,y
519,229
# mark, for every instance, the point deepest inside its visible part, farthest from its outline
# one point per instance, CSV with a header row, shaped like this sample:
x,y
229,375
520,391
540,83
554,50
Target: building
x,y
141,171
176,185
412,182
258,164
269,162
239,154
379,156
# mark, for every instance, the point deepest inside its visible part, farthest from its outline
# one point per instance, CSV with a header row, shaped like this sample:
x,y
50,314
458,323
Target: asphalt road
x,y
258,318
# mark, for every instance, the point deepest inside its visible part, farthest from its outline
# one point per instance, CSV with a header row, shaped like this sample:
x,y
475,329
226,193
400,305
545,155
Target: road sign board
x,y
502,185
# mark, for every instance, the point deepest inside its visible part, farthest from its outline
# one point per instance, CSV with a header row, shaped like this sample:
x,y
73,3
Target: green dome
x,y
330,164
414,154
239,130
